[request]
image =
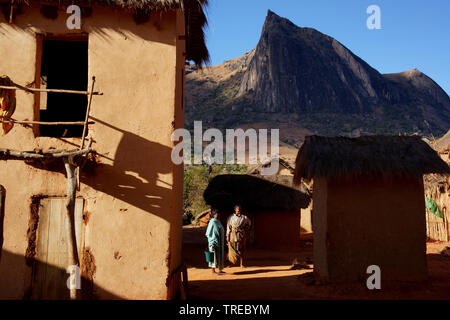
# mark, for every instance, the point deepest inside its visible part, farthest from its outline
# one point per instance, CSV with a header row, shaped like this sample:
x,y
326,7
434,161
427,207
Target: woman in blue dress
x,y
216,236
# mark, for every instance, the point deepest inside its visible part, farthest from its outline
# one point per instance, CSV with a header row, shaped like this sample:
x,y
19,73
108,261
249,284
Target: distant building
x,y
284,177
273,208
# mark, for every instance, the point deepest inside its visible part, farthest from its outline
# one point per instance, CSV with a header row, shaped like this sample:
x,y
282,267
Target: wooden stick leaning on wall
x,y
70,228
86,120
72,170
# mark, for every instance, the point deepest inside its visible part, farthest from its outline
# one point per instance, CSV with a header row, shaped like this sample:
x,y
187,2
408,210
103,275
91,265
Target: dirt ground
x,y
270,275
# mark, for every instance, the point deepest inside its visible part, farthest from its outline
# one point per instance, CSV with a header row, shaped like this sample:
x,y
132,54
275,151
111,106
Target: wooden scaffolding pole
x,y
72,170
70,211
6,154
87,114
32,90
46,123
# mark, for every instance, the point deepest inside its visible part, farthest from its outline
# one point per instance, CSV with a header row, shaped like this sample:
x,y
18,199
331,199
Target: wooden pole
x,y
32,90
24,155
74,259
87,115
70,209
11,12
69,123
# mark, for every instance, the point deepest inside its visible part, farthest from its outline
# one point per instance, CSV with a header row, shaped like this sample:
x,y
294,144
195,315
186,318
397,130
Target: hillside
x,y
305,82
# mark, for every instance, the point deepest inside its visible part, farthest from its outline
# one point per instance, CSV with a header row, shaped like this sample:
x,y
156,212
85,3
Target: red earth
x,y
281,275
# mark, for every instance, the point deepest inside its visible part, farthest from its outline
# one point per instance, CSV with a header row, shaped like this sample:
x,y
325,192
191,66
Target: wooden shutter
x,y
53,252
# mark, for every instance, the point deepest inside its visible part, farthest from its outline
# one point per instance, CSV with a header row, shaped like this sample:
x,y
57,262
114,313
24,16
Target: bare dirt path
x,y
269,275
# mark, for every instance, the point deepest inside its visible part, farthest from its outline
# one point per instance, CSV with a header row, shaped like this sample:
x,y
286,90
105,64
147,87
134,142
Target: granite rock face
x,y
302,70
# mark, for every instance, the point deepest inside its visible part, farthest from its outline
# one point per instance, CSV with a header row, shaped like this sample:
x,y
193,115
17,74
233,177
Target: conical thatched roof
x,y
194,14
253,193
369,155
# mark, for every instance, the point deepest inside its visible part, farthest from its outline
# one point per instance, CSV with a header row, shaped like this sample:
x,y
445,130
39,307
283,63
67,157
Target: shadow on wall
x,y
33,288
134,175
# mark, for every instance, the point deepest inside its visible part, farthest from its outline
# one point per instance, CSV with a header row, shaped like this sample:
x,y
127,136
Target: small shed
x,y
285,176
369,206
273,208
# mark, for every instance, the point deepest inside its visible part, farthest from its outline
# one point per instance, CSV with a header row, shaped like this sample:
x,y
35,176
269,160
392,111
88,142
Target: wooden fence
x,y
438,188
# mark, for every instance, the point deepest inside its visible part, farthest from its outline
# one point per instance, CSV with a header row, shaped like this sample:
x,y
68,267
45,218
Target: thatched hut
x,y
273,208
284,177
369,206
203,218
126,234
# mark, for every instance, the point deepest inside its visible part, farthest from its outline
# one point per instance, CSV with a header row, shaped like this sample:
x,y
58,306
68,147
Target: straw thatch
x,y
443,144
253,193
257,168
369,155
194,14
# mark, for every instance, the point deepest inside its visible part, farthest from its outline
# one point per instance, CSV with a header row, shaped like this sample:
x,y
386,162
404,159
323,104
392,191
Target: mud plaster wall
x,y
320,200
275,229
175,235
372,221
134,195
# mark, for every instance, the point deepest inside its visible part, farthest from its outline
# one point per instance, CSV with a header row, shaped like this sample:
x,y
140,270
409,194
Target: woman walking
x,y
216,235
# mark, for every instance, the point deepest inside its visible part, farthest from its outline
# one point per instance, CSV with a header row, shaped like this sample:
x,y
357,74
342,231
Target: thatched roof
x,y
369,155
443,144
253,193
257,168
194,14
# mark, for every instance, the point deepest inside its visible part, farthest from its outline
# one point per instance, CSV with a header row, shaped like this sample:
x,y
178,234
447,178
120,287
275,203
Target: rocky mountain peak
x,y
303,73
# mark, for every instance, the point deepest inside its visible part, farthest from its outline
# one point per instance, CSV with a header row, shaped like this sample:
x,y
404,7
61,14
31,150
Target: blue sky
x,y
414,33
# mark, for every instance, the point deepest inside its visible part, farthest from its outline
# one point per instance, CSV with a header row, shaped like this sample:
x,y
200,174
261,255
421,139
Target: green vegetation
x,y
196,179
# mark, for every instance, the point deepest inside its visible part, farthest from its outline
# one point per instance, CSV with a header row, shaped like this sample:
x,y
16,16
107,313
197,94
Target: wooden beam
x,y
31,90
44,123
6,154
11,12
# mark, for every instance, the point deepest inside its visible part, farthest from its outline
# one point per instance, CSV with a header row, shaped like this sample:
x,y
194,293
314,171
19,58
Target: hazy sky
x,y
413,34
